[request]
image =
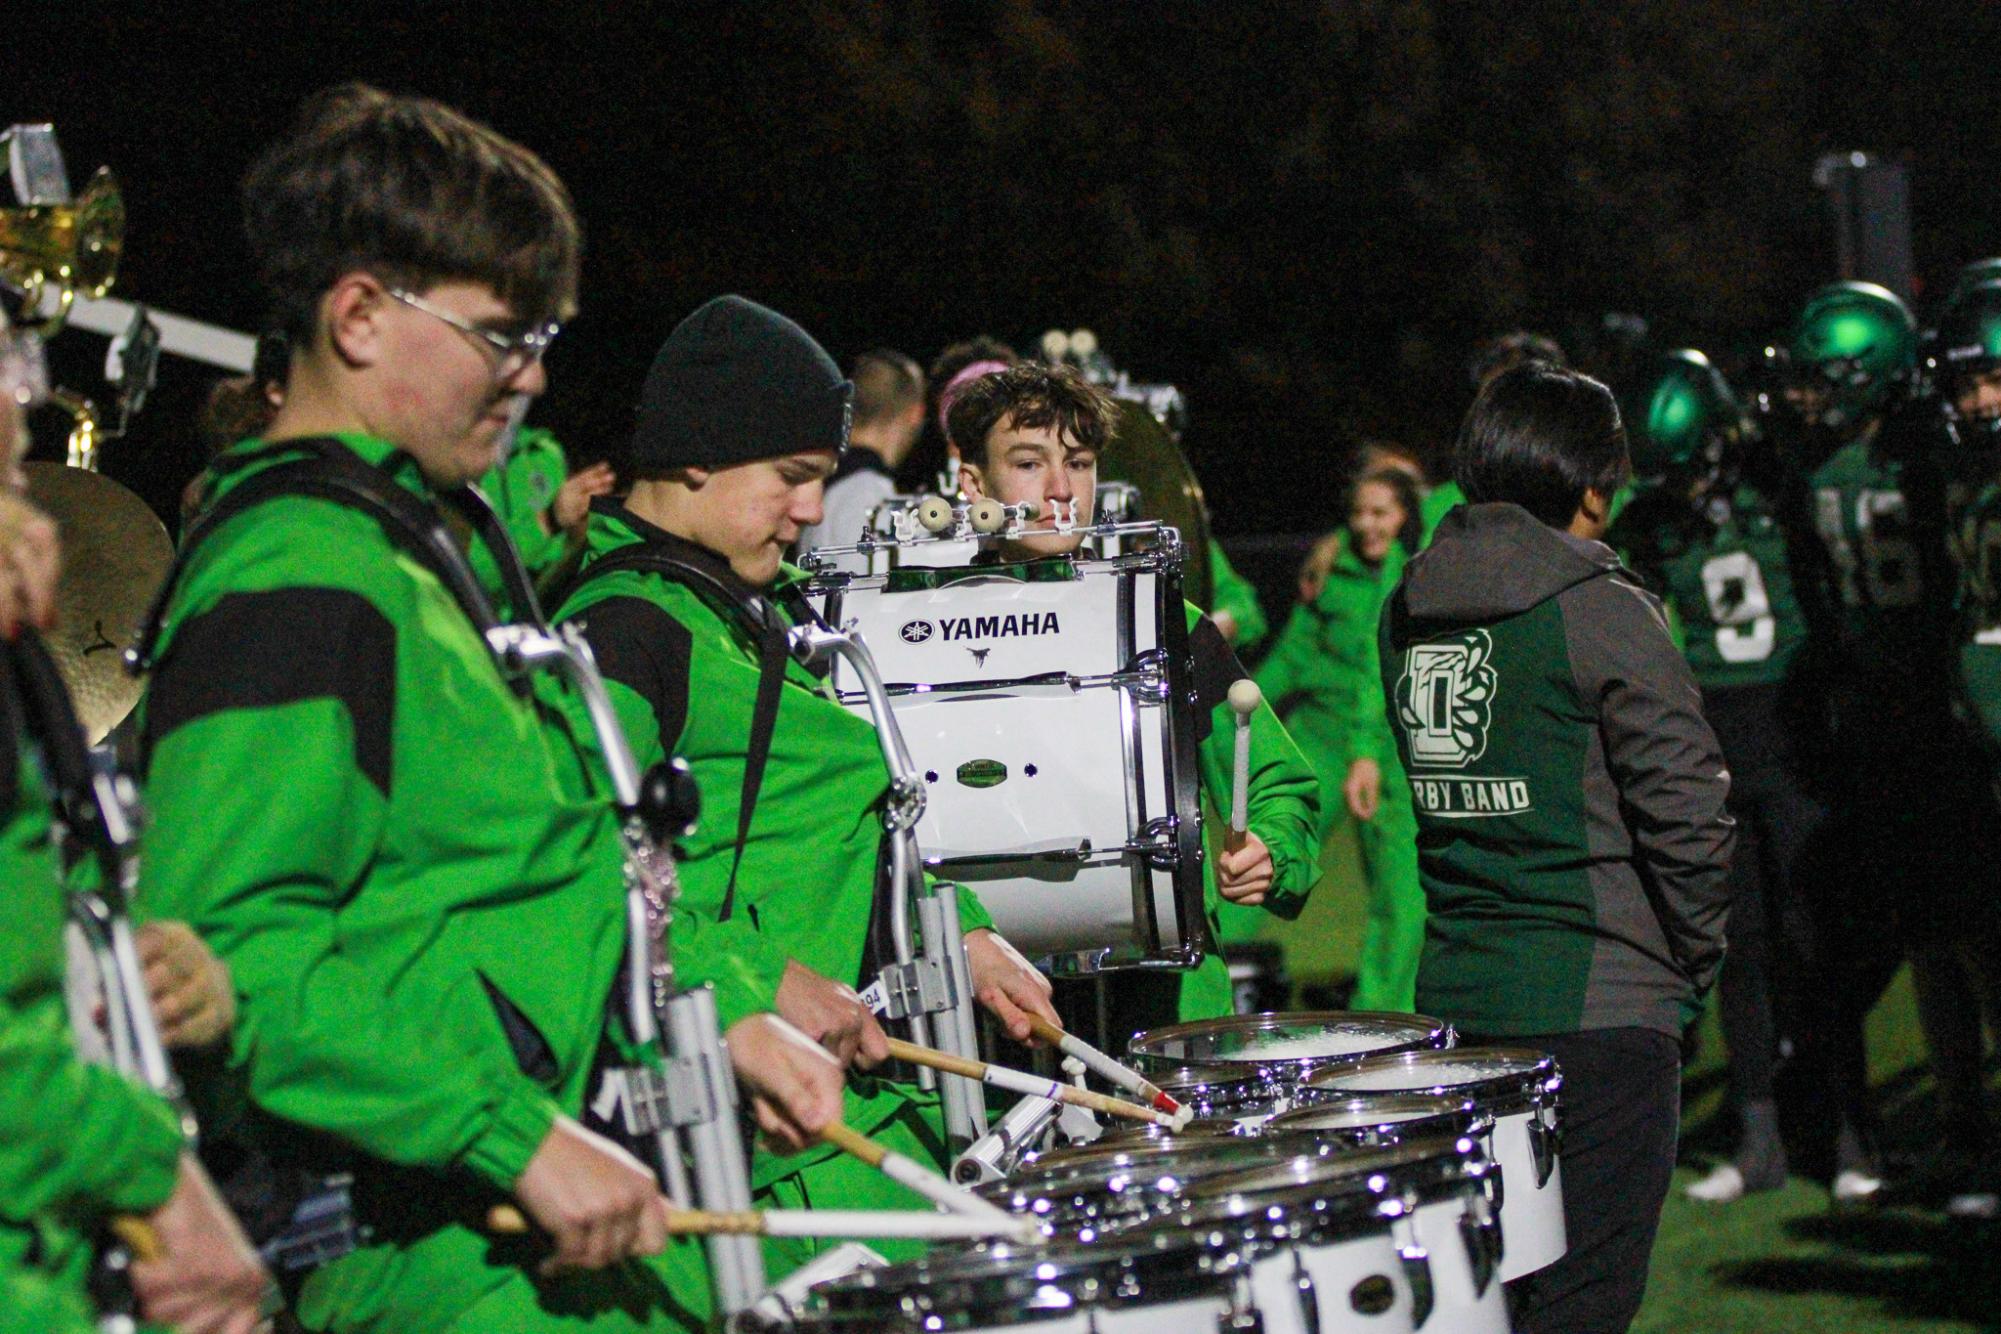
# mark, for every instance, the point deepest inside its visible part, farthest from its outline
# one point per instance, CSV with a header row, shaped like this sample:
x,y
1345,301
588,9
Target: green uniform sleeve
x,y
1369,734
522,489
1235,597
74,1137
266,815
1283,803
1291,666
973,915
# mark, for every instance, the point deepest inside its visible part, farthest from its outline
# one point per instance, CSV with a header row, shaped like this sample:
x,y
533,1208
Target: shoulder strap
x,y
753,612
332,472
48,717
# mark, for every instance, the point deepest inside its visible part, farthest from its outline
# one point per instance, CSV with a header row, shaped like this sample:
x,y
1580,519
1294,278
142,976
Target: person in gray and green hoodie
x,y
1572,834
1033,433
1323,679
740,423
406,864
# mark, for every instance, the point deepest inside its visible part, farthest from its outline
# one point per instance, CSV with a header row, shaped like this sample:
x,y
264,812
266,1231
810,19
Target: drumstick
x,y
1107,1068
1244,700
1020,1081
506,1220
907,1171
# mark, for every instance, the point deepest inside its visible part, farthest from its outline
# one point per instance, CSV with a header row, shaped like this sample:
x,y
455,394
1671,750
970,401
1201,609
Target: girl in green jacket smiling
x,y
1322,678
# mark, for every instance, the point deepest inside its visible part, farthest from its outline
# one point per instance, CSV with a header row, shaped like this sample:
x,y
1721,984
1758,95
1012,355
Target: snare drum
x,y
1142,1284
1048,709
1434,1194
1281,1049
1520,1090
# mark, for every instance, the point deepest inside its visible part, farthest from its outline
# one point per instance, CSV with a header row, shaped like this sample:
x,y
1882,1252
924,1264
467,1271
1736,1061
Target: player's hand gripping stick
x,y
1019,1081
1244,700
1132,1080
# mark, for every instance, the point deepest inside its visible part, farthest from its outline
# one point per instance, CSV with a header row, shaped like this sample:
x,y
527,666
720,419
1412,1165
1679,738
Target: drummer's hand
x,y
1363,788
572,504
188,985
207,1278
1245,876
1007,984
832,1015
598,1204
30,562
795,1086
1313,570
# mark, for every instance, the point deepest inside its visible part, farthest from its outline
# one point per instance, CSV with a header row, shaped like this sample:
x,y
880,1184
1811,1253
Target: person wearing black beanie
x,y
739,426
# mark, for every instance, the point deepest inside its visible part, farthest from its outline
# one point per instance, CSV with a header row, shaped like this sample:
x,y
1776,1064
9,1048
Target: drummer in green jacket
x,y
1323,679
1039,431
78,1142
740,423
410,872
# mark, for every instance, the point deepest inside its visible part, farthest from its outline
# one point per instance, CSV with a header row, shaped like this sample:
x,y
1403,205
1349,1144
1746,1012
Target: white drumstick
x,y
506,1220
909,1172
1244,700
1106,1068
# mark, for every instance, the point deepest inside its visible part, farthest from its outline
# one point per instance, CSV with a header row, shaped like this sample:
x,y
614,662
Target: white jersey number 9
x,y
1746,630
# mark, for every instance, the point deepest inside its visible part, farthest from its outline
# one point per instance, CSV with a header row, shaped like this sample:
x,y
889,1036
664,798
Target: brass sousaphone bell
x,y
54,247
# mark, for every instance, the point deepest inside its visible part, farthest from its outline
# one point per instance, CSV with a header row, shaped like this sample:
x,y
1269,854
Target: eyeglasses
x,y
512,355
24,372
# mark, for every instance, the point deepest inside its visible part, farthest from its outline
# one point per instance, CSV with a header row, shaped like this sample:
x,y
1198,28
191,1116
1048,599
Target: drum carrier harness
x,y
694,1094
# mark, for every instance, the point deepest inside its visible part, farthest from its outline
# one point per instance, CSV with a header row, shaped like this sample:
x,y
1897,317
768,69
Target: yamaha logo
x,y
916,632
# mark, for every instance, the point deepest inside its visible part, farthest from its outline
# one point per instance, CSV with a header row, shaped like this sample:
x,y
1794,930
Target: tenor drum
x,y
1281,1049
1048,709
1142,1284
1433,1195
1380,1122
1520,1090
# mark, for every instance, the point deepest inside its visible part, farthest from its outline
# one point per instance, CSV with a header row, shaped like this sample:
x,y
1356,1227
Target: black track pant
x,y
1621,1109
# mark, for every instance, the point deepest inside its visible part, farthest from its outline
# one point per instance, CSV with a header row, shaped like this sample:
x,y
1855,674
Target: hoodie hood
x,y
1497,560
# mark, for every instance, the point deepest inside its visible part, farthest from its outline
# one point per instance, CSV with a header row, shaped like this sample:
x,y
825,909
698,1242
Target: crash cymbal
x,y
115,554
1144,453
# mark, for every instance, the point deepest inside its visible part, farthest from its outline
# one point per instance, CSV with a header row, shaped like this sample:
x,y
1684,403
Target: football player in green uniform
x,y
1911,814
1324,682
1032,433
1965,364
1709,541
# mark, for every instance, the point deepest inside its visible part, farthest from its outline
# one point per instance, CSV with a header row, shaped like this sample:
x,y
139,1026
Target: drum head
x,y
1483,1075
1283,1046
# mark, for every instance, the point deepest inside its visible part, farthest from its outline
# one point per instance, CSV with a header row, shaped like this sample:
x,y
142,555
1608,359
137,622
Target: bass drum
x,y
1047,708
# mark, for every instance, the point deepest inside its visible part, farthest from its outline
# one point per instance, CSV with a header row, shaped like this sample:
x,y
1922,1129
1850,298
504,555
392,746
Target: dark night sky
x,y
1305,215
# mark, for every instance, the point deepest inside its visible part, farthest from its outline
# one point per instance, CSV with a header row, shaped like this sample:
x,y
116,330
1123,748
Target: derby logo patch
x,y
981,773
1445,699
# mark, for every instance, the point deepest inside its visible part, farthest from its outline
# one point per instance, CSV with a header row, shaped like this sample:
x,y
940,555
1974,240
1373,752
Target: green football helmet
x,y
1856,343
1968,344
1691,416
1971,276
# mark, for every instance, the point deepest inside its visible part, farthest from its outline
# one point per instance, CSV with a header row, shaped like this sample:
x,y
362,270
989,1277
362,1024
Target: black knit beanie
x,y
734,382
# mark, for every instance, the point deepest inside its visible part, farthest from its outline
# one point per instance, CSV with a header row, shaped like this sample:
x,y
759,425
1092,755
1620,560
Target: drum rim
x,y
1454,1158
1540,1081
1143,1048
1436,1107
1143,1156
986,1283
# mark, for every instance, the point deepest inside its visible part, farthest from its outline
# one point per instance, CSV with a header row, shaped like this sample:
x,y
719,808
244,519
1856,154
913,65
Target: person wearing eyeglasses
x,y
413,876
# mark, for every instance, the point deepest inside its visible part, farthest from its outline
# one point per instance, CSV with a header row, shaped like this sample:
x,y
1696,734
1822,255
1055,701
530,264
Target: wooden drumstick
x,y
1107,1068
1244,700
506,1220
1020,1081
908,1172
